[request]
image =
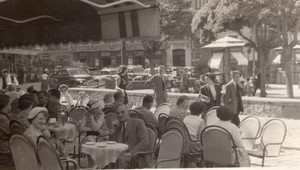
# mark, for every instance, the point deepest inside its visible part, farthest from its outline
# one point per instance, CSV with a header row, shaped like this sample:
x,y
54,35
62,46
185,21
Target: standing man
x,y
160,83
7,79
184,88
211,90
232,97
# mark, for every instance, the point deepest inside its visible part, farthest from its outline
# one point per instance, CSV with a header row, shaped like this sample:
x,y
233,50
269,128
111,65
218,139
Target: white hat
x,y
35,111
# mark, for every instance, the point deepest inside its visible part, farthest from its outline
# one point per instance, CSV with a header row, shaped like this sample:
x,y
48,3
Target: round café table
x,y
103,153
68,132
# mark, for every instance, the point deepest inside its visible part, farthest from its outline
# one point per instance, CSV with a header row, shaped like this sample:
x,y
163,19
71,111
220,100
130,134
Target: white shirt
x,y
194,125
44,76
213,91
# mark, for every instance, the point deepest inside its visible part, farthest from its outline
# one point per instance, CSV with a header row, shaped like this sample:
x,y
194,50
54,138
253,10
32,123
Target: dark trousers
x,y
236,120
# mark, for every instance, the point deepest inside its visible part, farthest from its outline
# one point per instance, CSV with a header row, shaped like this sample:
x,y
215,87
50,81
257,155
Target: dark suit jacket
x,y
205,90
230,98
136,137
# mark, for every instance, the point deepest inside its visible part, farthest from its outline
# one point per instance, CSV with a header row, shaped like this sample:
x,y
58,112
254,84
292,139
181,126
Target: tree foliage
x,y
176,17
270,22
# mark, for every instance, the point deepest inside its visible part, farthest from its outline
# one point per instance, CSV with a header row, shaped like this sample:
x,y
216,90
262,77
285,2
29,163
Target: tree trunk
x,y
262,70
289,82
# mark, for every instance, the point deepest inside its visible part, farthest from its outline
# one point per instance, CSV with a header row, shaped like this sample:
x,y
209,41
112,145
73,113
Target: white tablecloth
x,y
67,132
103,156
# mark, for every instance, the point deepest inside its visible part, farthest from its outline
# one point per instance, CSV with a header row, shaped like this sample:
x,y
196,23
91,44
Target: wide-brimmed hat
x,y
121,69
37,110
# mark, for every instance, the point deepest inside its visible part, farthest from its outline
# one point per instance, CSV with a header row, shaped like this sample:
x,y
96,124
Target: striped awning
x,y
43,22
215,60
241,59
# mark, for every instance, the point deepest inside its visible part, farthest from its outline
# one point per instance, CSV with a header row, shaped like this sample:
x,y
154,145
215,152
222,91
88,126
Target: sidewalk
x,y
290,152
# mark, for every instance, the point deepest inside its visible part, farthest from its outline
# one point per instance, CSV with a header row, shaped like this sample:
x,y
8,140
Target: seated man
x,y
180,111
144,110
194,123
132,132
43,98
53,104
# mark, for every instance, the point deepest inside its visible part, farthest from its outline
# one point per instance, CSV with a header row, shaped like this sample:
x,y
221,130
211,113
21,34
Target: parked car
x,y
139,82
72,77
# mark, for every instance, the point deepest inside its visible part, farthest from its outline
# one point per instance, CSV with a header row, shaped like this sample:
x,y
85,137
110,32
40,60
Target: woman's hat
x,y
37,110
63,86
121,69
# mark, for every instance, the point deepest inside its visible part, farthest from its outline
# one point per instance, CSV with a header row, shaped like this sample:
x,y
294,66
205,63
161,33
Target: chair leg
x,y
263,162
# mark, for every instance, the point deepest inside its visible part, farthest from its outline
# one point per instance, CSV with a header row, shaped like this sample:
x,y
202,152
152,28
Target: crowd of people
x,y
33,110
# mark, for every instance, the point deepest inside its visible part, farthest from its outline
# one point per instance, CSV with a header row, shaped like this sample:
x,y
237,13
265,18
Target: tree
x,y
268,21
176,17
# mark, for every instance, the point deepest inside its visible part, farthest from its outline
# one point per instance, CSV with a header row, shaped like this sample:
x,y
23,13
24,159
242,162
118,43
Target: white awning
x,y
277,59
241,59
215,60
297,58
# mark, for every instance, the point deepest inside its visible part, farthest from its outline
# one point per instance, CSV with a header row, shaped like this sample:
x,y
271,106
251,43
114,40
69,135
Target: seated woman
x,y
225,116
94,120
37,118
194,123
65,99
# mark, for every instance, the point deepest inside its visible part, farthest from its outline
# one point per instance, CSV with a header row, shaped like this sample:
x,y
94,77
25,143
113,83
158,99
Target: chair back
x,y
250,128
163,108
211,116
217,146
24,153
170,149
162,118
273,135
14,105
136,114
76,115
16,127
152,145
173,122
49,158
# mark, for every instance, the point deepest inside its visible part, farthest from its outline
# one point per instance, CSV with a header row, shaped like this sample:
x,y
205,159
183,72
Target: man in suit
x,y
160,83
134,133
232,97
211,90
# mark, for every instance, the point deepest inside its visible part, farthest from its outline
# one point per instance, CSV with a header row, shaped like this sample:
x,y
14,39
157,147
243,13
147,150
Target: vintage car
x,y
72,77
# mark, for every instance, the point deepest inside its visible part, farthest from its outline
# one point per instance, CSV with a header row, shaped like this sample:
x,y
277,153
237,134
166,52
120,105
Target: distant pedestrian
x,y
256,83
160,84
184,88
7,79
45,76
51,82
248,87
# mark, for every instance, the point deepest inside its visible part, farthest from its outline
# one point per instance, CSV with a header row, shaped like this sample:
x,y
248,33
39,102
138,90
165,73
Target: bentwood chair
x,y
163,108
218,147
162,118
191,150
76,115
250,128
24,153
211,116
149,154
170,149
49,158
272,136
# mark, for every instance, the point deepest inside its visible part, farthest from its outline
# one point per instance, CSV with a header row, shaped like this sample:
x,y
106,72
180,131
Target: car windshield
x,y
78,72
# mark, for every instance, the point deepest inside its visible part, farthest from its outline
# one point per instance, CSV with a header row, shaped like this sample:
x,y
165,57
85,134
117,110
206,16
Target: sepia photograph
x,y
149,84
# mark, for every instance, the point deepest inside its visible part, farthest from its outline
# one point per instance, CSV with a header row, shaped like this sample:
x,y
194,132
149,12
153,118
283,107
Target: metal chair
x,y
24,153
163,108
149,155
162,118
250,128
272,136
211,116
170,149
48,156
218,144
191,148
76,115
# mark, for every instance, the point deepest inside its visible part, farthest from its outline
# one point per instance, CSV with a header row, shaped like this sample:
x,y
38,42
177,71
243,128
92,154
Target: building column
x,y
188,55
169,55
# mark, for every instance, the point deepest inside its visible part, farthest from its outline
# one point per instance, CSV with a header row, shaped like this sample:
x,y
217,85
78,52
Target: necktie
x,y
123,132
